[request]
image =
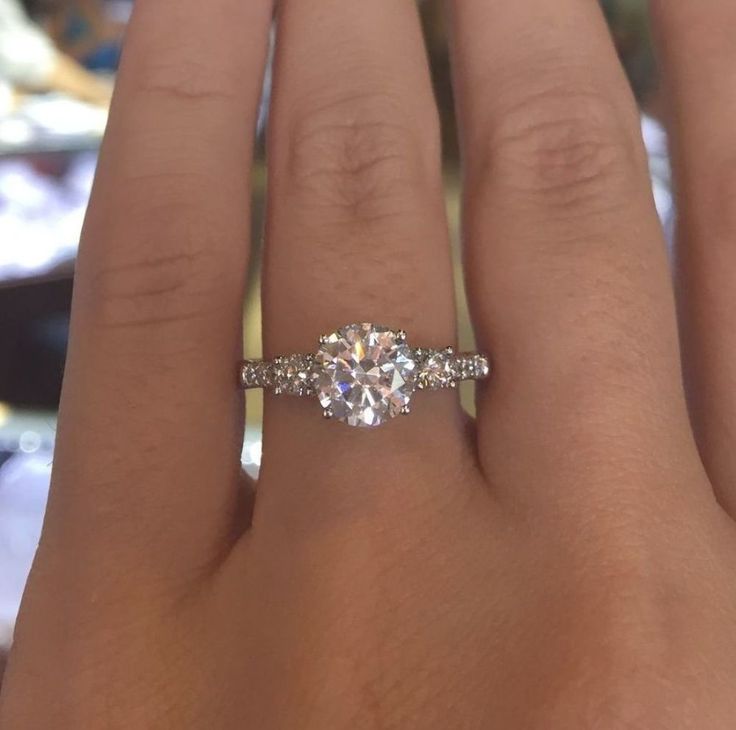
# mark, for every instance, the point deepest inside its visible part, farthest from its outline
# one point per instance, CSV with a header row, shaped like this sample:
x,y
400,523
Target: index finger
x,y
150,425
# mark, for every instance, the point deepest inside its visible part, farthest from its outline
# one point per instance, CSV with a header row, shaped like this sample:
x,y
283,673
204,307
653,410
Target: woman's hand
x,y
562,565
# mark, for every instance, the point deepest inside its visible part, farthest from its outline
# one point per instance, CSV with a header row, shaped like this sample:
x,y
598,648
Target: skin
x,y
567,562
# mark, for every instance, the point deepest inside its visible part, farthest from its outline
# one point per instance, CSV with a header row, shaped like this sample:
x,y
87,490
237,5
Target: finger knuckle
x,y
358,157
565,147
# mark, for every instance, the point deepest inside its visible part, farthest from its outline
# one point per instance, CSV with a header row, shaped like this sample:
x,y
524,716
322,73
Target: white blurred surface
x,y
40,216
24,483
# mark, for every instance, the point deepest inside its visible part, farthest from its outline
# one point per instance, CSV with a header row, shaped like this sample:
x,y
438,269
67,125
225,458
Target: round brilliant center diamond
x,y
366,374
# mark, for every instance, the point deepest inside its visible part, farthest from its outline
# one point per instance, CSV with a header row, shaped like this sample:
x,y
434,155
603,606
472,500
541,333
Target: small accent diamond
x,y
293,374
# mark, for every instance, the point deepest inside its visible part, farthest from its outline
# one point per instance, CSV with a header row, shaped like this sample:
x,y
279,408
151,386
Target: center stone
x,y
365,374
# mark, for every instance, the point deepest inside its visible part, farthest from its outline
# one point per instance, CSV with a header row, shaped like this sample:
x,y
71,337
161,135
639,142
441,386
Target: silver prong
x,y
401,336
453,383
406,410
277,390
450,350
323,339
327,413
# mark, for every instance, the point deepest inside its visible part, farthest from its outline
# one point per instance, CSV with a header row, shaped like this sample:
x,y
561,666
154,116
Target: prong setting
x,y
406,410
328,413
401,336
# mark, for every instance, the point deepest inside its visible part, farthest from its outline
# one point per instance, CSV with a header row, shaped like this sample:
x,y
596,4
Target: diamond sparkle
x,y
366,374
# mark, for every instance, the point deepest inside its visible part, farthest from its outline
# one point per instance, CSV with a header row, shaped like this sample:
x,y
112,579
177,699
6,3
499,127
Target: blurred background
x,y
57,64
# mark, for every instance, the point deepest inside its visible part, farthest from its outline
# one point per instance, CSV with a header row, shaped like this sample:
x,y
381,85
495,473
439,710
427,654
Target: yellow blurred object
x,y
4,413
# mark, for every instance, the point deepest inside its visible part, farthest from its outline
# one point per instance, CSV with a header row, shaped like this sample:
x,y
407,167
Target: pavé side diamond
x,y
438,369
366,374
293,374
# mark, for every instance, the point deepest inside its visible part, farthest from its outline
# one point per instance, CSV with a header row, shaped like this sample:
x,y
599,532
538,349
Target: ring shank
x,y
295,374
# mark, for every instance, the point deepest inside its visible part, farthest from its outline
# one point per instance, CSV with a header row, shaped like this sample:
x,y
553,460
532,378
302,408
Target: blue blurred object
x,y
105,57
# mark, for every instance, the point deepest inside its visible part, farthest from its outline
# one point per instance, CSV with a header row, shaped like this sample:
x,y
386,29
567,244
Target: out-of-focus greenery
x,y
629,23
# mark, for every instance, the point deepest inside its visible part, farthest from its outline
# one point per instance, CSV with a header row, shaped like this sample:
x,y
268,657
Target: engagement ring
x,y
364,374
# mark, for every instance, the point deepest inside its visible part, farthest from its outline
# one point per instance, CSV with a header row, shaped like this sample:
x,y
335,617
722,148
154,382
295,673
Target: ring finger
x,y
356,228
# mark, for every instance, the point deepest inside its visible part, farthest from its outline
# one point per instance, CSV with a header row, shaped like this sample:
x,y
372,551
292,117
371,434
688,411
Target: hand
x,y
563,564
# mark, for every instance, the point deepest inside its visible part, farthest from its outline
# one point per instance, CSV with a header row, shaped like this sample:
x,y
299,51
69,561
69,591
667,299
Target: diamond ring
x,y
364,374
